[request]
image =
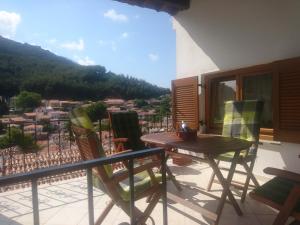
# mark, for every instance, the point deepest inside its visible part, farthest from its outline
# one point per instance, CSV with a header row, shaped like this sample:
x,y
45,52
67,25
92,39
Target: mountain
x,y
31,68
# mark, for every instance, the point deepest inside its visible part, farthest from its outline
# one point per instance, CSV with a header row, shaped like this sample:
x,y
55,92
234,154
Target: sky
x,y
125,39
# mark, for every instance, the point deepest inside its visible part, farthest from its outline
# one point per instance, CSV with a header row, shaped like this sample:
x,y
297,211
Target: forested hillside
x,y
31,68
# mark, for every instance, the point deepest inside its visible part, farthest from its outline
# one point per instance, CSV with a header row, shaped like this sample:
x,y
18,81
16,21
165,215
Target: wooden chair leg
x,y
250,175
295,222
154,200
173,179
105,212
148,199
171,176
226,186
288,206
212,178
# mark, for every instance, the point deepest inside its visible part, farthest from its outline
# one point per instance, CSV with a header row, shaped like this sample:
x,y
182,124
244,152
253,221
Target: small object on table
x,y
186,133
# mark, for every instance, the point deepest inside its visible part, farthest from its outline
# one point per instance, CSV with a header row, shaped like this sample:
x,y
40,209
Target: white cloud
x,y
124,35
153,57
86,61
9,22
52,41
113,15
73,45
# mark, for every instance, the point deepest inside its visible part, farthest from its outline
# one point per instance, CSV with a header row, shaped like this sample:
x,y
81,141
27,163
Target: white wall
x,y
223,35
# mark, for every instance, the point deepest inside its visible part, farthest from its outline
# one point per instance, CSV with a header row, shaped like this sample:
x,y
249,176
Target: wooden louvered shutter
x,y
185,102
288,95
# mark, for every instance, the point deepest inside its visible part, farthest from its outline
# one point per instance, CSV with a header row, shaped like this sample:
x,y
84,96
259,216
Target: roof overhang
x,y
170,6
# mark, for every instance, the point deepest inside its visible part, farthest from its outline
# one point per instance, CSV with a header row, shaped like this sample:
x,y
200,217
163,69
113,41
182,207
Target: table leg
x,y
226,185
172,177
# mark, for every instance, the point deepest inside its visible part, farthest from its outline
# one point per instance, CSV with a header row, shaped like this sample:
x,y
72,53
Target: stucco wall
x,y
223,35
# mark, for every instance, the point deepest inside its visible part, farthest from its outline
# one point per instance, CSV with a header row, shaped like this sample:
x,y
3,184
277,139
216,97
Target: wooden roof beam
x,y
170,6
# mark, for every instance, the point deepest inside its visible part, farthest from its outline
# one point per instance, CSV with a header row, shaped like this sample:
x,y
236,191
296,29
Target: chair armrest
x,y
122,175
283,174
123,140
122,152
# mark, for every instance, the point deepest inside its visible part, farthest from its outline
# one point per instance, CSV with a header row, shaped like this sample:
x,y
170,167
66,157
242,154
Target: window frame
x,y
239,75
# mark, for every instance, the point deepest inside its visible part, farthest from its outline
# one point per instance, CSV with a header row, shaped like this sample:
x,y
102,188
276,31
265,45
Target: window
x,y
251,87
277,83
260,87
223,90
242,84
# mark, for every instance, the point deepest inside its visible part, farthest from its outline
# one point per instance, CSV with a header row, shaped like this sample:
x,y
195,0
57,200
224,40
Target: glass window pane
x,y
260,87
222,91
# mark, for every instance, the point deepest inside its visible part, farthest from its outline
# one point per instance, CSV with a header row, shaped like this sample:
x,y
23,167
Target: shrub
x,y
25,142
96,111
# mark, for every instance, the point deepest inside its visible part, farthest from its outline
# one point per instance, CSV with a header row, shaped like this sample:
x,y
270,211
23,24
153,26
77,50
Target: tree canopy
x,y
140,103
28,100
165,105
24,67
4,109
15,137
96,111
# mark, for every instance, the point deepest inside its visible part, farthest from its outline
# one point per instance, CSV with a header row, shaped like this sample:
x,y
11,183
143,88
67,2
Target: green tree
x,y
31,68
28,100
96,111
165,105
2,127
25,142
4,109
140,103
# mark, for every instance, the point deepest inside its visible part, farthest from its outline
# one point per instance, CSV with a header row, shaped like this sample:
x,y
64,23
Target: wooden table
x,y
210,146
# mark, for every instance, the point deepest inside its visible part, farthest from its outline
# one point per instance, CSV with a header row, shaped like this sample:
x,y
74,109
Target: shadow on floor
x,y
7,221
178,170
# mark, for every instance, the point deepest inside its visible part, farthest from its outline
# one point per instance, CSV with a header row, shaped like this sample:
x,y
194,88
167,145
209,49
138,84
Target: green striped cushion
x,y
142,180
79,118
242,119
228,156
276,190
126,125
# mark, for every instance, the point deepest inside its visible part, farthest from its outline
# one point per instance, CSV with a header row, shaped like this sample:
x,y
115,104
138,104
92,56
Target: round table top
x,y
205,143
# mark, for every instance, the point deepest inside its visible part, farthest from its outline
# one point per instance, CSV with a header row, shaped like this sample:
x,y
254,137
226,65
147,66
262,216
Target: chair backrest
x,y
126,125
87,141
242,119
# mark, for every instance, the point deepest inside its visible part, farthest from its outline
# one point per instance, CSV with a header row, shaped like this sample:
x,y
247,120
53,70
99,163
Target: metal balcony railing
x,y
35,175
57,146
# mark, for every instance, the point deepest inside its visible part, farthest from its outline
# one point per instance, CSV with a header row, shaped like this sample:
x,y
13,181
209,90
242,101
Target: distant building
x,y
55,104
114,102
55,115
31,115
32,128
17,120
153,101
113,109
69,105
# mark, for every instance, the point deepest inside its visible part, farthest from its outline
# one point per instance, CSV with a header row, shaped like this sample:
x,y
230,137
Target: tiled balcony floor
x,y
65,203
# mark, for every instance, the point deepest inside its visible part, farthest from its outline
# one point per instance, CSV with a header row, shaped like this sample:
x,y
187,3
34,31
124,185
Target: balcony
x,y
65,197
65,202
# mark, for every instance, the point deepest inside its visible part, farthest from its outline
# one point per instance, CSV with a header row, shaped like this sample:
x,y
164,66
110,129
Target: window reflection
x,y
222,91
260,87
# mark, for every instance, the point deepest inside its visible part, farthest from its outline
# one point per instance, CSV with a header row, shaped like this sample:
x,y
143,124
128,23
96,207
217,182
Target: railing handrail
x,y
30,121
39,173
